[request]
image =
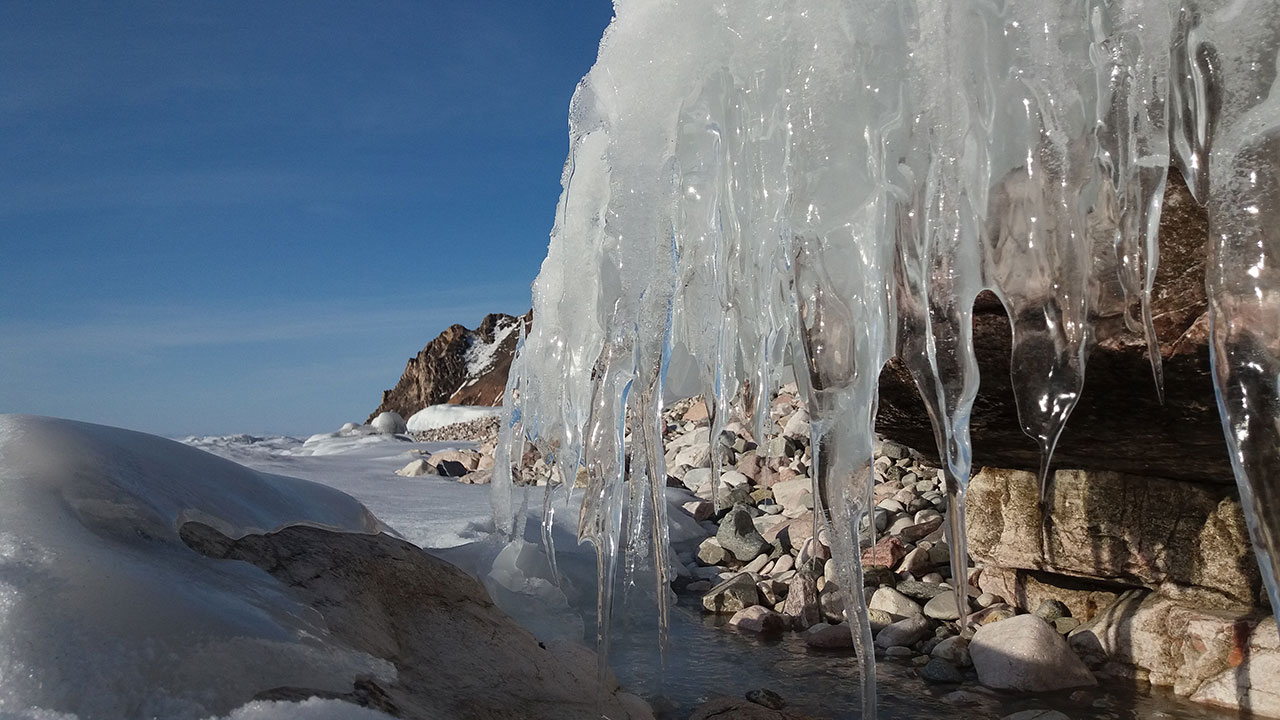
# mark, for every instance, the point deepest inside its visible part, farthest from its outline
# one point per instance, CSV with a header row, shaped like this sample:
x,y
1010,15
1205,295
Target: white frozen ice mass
x,y
438,416
389,423
832,182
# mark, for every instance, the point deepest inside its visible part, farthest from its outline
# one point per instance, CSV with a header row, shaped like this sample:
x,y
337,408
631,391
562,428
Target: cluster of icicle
x,y
829,183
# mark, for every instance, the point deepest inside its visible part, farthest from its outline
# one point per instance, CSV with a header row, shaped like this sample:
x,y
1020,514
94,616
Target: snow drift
x,y
105,613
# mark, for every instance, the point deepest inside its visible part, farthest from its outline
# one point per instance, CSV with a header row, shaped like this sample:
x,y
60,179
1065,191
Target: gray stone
x,y
829,637
797,426
758,619
905,632
894,603
1025,653
804,604
1036,715
794,495
738,535
1050,610
920,591
710,552
696,478
954,650
940,671
732,595
943,607
766,698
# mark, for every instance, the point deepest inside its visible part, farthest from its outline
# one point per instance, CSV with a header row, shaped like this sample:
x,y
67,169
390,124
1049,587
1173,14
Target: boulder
x,y
804,605
794,495
461,461
730,596
1027,654
943,607
894,603
416,468
738,535
456,654
829,637
1121,528
907,631
758,619
1223,657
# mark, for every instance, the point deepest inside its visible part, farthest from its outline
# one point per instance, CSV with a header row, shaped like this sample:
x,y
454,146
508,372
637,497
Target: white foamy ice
x,y
438,416
106,613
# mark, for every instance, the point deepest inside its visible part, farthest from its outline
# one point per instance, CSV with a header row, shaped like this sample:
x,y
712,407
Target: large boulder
x,y
1120,528
1025,653
455,653
1220,657
1119,423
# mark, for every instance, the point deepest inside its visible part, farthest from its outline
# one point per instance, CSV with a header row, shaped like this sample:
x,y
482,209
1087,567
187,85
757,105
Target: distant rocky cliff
x,y
460,366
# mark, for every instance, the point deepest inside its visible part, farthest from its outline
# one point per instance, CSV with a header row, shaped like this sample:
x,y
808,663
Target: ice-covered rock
x,y
434,623
389,423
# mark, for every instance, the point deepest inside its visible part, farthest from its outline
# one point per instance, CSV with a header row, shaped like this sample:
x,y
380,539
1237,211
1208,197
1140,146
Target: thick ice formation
x,y
106,613
834,181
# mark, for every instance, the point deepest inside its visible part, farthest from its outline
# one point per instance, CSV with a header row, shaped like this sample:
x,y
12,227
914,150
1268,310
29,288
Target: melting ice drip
x,y
829,183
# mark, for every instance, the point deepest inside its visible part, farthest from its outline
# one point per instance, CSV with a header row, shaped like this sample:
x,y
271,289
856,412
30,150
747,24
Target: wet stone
x,y
730,596
940,671
767,698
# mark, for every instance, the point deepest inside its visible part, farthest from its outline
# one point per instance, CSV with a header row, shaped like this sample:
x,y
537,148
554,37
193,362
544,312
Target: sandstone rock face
x,y
1225,658
1025,653
460,366
455,653
1119,423
1122,528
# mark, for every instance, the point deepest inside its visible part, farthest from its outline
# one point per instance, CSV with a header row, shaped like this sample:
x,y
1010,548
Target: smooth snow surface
x,y
836,180
438,416
105,613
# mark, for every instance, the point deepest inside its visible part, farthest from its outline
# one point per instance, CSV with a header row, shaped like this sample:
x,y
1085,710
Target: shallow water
x,y
708,659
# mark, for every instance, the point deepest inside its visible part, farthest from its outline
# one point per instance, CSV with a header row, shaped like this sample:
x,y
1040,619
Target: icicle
x,y
1133,67
601,520
1243,273
1038,250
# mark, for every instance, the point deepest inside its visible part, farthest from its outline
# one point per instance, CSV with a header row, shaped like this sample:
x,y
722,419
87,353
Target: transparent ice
x,y
830,183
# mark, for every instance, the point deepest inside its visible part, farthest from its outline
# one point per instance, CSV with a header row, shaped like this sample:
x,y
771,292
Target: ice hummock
x,y
829,183
105,613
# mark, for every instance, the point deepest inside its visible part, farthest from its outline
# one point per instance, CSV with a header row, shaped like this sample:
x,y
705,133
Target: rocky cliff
x,y
460,366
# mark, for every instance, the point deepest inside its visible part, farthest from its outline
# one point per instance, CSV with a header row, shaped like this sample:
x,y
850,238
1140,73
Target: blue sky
x,y
245,216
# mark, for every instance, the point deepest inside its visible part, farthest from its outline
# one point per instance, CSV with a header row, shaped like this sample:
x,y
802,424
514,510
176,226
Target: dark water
x,y
707,659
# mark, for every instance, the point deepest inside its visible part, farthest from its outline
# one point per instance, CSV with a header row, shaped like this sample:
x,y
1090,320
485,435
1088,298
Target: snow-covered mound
x,y
105,613
438,416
